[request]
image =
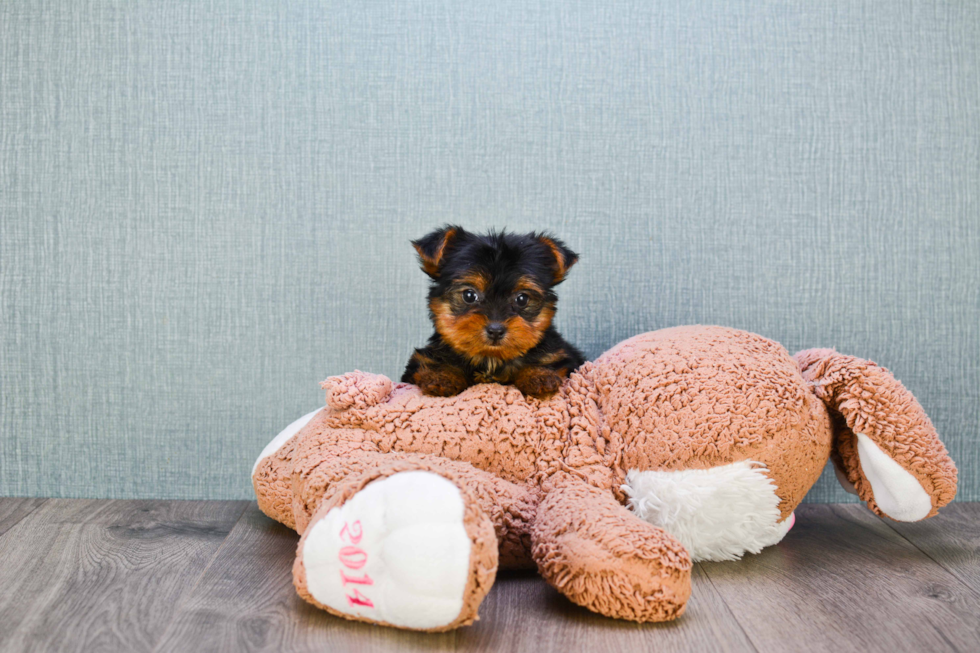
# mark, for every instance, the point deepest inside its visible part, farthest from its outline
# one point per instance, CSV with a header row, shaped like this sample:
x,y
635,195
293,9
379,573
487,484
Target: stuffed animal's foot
x,y
405,551
601,556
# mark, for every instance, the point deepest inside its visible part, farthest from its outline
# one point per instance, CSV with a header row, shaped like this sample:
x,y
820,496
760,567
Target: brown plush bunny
x,y
691,442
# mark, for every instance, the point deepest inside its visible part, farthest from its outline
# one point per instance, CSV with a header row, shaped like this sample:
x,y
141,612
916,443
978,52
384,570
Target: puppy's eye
x,y
470,296
521,300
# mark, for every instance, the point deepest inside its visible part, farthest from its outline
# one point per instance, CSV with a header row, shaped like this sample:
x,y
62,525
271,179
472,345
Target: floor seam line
x,y
724,601
926,554
184,596
30,512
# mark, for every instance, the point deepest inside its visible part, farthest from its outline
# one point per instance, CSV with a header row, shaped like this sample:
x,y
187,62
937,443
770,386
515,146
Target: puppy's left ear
x,y
564,258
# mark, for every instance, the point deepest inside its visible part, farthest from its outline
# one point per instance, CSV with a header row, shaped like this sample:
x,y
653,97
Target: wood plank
x,y
951,538
245,601
13,510
842,580
81,575
523,613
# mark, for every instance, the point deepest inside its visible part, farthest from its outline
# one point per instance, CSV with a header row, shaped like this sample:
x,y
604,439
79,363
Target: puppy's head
x,y
491,295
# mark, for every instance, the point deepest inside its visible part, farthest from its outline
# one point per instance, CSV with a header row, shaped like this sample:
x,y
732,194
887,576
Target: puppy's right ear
x,y
433,247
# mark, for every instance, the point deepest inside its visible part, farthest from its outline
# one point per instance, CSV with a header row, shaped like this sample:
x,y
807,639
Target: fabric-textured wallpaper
x,y
206,206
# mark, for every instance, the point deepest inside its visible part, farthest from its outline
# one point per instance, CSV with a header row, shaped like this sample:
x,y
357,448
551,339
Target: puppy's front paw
x,y
440,382
538,382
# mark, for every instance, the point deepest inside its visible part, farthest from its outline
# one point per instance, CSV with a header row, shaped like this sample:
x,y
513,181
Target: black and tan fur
x,y
481,284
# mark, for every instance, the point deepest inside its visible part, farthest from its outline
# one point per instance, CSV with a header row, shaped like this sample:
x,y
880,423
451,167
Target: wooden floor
x,y
78,575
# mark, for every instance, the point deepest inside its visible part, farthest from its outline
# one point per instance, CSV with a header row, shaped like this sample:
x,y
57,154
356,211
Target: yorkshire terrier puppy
x,y
492,302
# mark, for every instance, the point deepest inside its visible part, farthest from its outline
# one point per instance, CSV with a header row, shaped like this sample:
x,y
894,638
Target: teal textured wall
x,y
206,206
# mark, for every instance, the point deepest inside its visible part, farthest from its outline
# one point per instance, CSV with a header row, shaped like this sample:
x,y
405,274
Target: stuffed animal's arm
x,y
601,556
884,443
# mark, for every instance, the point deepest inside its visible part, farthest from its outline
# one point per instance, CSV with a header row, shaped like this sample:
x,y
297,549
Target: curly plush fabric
x,y
544,483
599,555
866,399
698,398
479,529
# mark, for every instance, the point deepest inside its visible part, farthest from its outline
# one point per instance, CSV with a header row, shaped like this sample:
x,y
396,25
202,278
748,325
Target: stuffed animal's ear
x,y
432,248
358,389
564,257
884,443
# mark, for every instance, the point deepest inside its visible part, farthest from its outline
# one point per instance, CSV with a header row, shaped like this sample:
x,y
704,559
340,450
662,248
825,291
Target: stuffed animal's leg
x,y
405,540
601,556
273,470
326,480
884,443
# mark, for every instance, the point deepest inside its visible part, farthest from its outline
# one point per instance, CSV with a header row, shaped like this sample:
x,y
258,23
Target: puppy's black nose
x,y
496,331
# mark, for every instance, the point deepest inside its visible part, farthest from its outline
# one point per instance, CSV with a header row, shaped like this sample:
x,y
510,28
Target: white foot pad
x,y
396,552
